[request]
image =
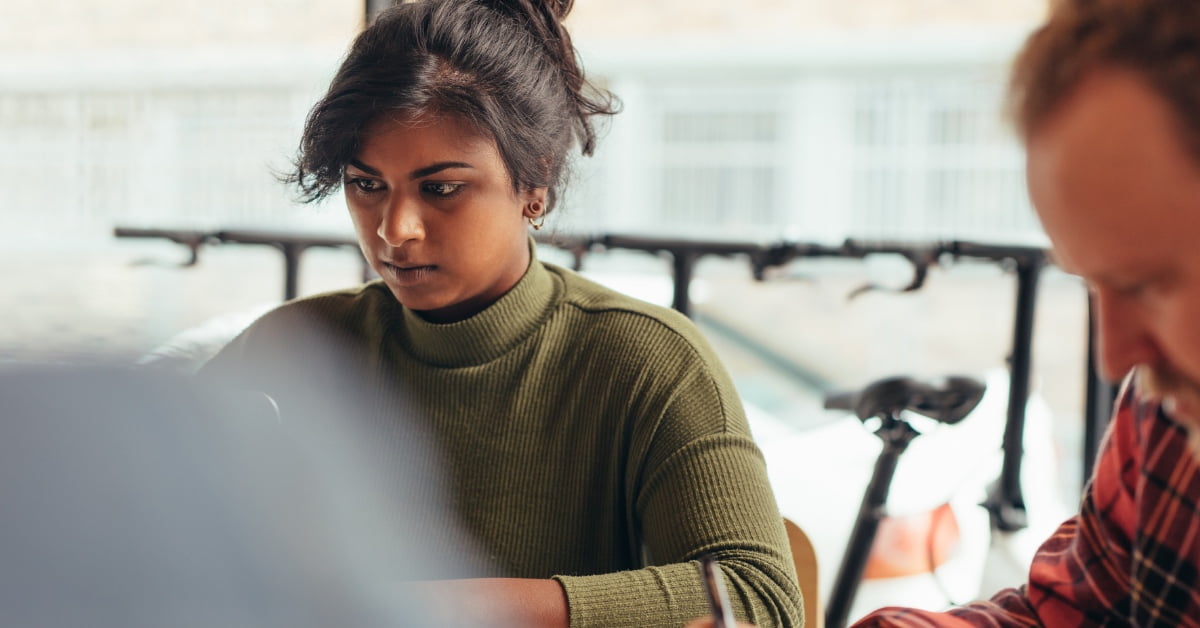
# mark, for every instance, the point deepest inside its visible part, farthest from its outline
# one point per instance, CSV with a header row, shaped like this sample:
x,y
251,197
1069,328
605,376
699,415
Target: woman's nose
x,y
401,221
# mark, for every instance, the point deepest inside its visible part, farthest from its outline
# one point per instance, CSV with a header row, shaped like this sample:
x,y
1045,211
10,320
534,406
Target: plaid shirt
x,y
1131,555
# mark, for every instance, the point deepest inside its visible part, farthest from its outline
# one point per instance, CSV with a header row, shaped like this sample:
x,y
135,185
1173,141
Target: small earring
x,y
537,217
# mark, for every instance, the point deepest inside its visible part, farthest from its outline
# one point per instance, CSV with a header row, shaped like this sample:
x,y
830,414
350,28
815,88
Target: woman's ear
x,y
534,203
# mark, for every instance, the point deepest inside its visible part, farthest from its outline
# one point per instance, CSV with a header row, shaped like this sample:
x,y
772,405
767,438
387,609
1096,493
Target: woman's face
x,y
436,214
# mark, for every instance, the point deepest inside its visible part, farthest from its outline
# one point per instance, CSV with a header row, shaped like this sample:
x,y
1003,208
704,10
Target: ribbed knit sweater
x,y
586,436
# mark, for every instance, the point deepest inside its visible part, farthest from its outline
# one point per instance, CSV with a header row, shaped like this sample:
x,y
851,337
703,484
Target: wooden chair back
x,y
805,559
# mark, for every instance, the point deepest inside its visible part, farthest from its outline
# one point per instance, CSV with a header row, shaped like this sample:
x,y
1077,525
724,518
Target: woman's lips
x,y
409,274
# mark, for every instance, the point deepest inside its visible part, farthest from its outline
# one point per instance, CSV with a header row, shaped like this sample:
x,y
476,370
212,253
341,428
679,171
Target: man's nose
x,y
1123,337
401,221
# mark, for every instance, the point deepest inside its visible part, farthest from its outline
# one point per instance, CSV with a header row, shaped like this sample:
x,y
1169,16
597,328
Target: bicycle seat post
x,y
896,434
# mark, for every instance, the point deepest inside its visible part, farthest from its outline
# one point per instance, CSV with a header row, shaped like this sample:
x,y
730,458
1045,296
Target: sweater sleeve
x,y
1079,576
700,488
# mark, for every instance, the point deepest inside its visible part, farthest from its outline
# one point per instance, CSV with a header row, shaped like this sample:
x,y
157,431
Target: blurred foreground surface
x,y
138,498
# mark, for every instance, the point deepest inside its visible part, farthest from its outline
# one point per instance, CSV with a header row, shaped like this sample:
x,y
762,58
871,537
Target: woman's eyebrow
x,y
364,167
438,167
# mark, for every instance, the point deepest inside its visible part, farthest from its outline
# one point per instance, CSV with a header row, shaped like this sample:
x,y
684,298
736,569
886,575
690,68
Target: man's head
x,y
1106,97
1159,40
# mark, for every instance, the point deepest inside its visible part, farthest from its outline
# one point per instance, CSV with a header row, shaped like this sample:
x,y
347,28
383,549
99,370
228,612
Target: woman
x,y
594,448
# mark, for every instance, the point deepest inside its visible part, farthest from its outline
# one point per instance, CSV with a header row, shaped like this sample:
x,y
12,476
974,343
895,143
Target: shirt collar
x,y
490,333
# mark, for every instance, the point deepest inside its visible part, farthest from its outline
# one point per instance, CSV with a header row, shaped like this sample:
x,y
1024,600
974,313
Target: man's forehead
x,y
1117,191
1105,117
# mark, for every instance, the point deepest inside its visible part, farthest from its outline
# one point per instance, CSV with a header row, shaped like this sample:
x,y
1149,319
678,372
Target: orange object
x,y
913,544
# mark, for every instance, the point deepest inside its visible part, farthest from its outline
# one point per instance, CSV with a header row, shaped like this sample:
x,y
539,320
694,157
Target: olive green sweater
x,y
587,437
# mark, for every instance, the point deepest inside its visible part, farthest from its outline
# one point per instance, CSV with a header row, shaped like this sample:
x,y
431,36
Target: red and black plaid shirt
x,y
1131,555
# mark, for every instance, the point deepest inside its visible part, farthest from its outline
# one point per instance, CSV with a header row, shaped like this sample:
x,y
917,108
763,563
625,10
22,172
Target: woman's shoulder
x,y
336,301
617,317
298,326
335,307
591,296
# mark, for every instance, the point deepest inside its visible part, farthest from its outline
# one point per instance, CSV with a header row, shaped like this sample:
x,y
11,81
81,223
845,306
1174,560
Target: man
x,y
1106,96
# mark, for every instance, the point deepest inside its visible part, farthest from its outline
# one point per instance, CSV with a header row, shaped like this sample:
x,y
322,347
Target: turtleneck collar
x,y
490,333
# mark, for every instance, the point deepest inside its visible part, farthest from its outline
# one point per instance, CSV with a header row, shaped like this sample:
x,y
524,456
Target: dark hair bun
x,y
556,9
543,19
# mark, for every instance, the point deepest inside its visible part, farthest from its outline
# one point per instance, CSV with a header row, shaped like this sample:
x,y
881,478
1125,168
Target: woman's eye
x,y
364,185
445,190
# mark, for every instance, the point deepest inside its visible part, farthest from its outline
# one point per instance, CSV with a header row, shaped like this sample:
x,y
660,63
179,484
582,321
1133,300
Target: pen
x,y
714,589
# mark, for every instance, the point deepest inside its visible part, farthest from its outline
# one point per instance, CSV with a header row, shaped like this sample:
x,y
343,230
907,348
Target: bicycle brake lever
x,y
920,273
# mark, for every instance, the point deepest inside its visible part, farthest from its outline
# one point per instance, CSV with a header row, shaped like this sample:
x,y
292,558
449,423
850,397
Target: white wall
x,y
893,134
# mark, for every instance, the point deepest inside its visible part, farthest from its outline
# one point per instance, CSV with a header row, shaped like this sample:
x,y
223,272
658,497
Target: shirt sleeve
x,y
1080,575
701,488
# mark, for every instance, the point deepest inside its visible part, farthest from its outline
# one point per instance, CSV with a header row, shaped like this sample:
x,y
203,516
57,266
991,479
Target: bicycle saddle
x,y
947,400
